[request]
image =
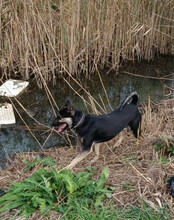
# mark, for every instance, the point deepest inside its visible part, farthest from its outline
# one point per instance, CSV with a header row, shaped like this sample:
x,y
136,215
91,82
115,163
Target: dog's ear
x,y
69,101
69,105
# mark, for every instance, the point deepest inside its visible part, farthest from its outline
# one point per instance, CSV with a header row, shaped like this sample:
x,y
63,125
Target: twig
x,y
140,174
147,77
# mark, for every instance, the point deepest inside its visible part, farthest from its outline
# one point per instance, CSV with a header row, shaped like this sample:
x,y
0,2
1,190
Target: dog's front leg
x,y
86,149
77,159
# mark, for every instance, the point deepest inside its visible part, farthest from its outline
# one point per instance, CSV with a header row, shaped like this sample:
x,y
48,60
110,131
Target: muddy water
x,y
117,85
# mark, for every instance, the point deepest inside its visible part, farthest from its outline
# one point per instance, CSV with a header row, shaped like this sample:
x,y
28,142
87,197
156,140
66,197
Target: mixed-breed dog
x,y
93,129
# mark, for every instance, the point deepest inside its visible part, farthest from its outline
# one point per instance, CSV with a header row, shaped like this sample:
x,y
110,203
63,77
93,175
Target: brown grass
x,y
49,38
136,169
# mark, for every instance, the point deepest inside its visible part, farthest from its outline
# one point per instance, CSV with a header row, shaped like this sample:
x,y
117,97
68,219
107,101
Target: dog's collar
x,y
80,121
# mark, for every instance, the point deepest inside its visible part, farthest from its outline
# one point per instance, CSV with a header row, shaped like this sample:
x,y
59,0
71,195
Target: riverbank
x,y
139,169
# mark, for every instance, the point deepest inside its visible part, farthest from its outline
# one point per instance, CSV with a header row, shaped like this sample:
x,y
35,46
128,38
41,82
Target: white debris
x,y
12,88
7,114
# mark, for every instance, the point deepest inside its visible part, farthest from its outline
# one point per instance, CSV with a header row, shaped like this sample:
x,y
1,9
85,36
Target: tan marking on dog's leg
x,y
77,159
119,141
92,146
97,152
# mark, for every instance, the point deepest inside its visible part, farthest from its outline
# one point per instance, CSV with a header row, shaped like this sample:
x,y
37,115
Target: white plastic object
x,y
7,114
12,88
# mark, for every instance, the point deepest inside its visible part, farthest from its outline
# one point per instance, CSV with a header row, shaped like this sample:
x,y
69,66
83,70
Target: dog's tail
x,y
134,100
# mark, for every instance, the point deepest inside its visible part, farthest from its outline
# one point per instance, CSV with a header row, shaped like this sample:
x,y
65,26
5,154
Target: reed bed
x,y
50,38
138,171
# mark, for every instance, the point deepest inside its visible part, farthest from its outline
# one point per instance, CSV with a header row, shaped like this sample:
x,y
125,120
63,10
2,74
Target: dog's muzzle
x,y
58,125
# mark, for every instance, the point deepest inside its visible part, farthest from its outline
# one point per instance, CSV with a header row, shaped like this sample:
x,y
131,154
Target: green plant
x,y
165,145
128,186
80,211
145,213
47,161
163,160
52,190
130,159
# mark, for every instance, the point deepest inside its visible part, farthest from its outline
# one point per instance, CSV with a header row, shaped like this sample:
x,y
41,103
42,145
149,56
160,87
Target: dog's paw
x,y
69,167
94,160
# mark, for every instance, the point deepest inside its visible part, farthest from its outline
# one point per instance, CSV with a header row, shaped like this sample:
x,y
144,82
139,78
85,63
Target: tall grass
x,y
52,37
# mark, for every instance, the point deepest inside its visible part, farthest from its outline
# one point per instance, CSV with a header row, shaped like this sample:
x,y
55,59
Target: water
x,y
117,85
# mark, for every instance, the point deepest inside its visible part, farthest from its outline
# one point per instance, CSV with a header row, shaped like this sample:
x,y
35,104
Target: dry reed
x,y
52,37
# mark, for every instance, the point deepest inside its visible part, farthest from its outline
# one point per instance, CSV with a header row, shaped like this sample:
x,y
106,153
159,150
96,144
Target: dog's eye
x,y
58,117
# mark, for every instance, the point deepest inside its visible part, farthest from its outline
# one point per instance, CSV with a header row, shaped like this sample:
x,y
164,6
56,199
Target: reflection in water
x,y
117,86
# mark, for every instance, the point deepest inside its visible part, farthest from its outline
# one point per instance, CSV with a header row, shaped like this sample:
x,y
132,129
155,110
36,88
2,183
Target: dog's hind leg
x,y
97,152
79,143
135,125
117,144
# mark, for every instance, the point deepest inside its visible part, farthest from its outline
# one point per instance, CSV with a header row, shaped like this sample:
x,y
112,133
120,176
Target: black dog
x,y
94,129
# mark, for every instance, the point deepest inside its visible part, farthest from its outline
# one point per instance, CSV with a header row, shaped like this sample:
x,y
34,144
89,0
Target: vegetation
x,y
45,39
165,145
60,191
72,195
48,39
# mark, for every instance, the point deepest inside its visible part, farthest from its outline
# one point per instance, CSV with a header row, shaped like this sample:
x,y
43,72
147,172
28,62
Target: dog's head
x,y
65,116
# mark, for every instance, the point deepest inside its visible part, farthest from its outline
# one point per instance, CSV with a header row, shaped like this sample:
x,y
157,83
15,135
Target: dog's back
x,y
105,127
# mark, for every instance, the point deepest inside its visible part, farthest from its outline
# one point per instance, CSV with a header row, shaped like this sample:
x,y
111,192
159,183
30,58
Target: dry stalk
x,y
51,37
